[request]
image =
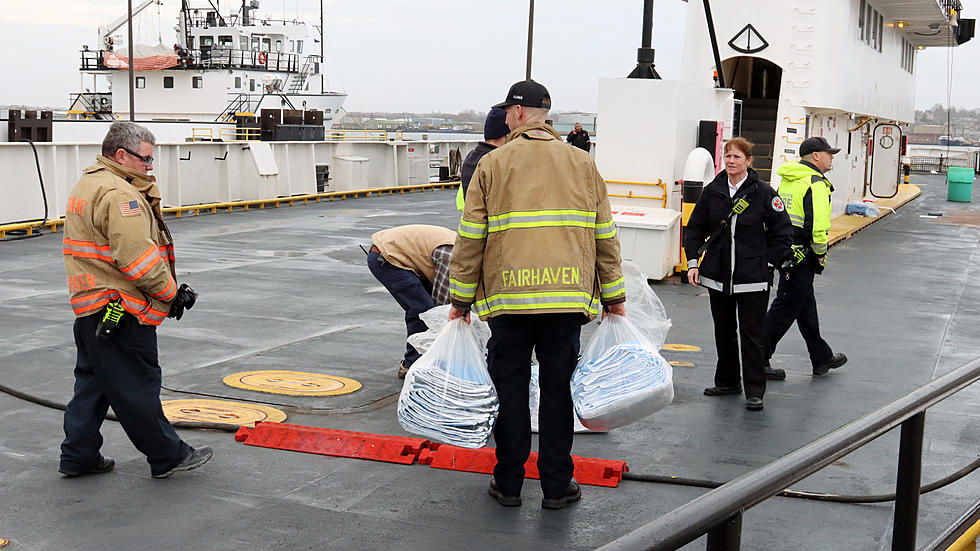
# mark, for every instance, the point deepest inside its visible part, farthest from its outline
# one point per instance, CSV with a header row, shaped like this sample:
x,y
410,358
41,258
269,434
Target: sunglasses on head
x,y
147,160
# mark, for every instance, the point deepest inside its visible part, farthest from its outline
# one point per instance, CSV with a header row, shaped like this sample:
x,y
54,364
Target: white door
x,y
886,161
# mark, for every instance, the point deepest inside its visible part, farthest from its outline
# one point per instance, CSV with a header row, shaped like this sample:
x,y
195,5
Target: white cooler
x,y
650,237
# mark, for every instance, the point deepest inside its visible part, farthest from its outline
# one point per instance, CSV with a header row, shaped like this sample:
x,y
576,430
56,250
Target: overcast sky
x,y
422,55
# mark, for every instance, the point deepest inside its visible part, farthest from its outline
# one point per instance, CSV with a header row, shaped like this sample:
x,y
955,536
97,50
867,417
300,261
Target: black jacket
x,y
763,235
470,162
580,140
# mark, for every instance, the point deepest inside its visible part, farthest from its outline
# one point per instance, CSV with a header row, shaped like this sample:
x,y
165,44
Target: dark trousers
x,y
409,291
795,302
740,316
556,340
123,373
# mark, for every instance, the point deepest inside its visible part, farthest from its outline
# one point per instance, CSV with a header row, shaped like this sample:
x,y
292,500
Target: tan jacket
x,y
410,247
535,231
116,245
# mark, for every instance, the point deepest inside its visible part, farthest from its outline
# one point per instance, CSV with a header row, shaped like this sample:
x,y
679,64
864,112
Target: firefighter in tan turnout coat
x,y
119,260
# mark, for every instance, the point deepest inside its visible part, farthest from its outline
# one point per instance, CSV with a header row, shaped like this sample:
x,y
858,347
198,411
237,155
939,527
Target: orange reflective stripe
x,y
141,309
168,293
167,252
138,267
87,303
86,249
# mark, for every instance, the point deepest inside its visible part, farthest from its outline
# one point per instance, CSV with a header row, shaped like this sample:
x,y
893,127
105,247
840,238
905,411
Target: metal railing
x,y
928,163
364,135
226,134
718,513
213,58
629,193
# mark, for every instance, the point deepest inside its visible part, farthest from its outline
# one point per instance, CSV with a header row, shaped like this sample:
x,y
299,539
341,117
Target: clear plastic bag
x,y
643,307
534,392
448,395
620,378
435,319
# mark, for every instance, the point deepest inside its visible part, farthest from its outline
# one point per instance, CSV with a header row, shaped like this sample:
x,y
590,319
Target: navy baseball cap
x,y
496,124
814,144
527,93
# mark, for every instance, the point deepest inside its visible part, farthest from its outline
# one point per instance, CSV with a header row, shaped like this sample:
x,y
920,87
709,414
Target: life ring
x,y
262,57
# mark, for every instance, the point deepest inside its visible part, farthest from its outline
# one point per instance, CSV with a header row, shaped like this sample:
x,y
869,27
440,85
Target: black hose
x,y
800,494
44,197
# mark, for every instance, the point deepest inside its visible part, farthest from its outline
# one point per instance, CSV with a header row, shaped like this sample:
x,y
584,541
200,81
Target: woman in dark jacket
x,y
737,266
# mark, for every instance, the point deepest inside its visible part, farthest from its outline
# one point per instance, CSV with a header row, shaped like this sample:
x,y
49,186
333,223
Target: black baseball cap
x,y
814,144
527,93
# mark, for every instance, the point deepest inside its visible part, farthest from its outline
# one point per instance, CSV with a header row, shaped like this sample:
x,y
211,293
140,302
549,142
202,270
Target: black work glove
x,y
819,263
186,297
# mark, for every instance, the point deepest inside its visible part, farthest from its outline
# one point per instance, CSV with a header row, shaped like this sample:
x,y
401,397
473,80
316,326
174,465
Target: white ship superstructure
x,y
223,65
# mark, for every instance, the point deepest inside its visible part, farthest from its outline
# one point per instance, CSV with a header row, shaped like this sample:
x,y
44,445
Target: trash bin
x,y
959,184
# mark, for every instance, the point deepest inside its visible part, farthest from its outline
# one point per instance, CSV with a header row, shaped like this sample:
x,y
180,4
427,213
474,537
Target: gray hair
x,y
126,135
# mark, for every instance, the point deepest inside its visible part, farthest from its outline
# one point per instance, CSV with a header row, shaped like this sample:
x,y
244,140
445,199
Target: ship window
x,y
861,20
278,45
197,82
329,110
867,25
168,82
266,44
299,46
226,41
141,82
238,82
251,85
207,41
292,45
881,31
255,43
243,42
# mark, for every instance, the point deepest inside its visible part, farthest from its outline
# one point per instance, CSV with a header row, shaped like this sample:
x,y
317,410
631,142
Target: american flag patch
x,y
130,208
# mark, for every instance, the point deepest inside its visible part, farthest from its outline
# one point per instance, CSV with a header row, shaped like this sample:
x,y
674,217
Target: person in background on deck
x,y
536,254
579,138
806,192
740,215
119,258
412,262
494,135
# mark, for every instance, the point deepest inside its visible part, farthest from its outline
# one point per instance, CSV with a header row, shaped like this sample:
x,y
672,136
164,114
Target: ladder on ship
x,y
759,127
238,104
298,81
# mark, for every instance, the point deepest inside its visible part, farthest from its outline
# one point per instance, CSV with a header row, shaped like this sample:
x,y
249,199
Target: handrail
x,y
961,535
718,512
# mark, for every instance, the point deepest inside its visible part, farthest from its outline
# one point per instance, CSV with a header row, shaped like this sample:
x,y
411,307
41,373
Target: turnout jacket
x,y
116,245
536,231
806,192
739,261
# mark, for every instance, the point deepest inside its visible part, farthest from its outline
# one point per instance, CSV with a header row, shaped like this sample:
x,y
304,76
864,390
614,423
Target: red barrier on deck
x,y
588,470
340,443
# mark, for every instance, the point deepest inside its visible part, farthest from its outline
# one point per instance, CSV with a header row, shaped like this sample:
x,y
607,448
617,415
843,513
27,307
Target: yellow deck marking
x,y
681,364
3,542
682,347
221,411
293,383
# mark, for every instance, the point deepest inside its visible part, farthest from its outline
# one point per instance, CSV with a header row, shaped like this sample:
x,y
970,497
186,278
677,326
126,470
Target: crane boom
x,y
105,31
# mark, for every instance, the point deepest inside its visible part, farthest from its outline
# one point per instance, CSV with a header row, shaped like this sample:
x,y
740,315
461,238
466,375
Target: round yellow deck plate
x,y
221,411
681,364
682,347
3,542
293,383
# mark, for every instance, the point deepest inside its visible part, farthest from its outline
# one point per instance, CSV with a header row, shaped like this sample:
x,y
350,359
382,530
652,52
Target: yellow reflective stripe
x,y
797,220
540,300
542,219
819,248
608,290
460,289
605,230
473,230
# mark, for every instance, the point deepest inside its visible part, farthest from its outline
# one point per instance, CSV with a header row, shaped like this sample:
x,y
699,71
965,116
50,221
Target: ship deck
x,y
288,289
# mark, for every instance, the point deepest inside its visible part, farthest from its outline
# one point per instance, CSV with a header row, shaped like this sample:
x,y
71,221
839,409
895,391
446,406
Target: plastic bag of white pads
x,y
643,307
448,395
620,378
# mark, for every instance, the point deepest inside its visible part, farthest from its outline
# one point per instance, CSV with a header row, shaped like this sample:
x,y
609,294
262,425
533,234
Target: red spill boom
x,y
405,450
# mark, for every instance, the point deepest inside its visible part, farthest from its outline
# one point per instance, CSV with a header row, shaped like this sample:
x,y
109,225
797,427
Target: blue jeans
x,y
408,290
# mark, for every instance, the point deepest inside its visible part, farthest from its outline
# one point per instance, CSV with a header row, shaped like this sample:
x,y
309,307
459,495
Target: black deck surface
x,y
288,289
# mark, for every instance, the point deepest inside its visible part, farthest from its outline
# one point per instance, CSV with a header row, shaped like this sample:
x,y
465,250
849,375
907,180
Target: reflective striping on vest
x,y
797,220
711,284
139,267
86,249
542,219
167,252
139,308
88,303
605,230
460,289
168,293
543,300
608,290
819,248
750,287
473,230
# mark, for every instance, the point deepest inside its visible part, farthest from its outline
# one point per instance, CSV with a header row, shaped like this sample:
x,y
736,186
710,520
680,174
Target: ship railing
x,y
630,195
234,20
225,134
363,135
96,104
718,513
213,58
